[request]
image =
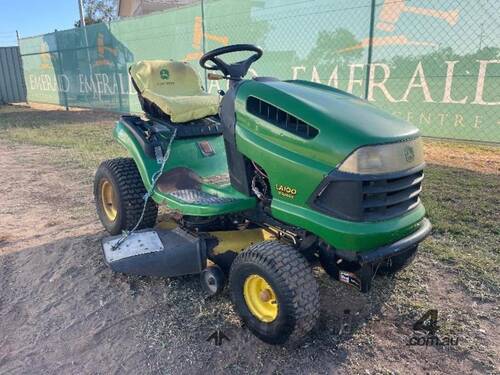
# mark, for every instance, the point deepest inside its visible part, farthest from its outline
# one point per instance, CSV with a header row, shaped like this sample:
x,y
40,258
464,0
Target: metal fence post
x,y
116,73
60,68
23,81
370,48
203,39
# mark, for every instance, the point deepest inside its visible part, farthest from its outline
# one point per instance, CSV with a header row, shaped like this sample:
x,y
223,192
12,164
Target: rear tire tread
x,y
131,193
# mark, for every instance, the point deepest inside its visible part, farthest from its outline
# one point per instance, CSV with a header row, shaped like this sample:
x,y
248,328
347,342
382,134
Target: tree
x,y
96,11
329,49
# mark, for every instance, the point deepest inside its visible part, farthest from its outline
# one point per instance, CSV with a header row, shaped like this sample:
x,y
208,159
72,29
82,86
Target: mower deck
x,y
155,253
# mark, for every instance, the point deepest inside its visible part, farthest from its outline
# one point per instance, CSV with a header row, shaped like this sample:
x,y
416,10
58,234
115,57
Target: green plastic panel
x,y
186,153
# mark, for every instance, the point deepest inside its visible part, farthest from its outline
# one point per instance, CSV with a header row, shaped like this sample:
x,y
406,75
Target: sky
x,y
33,17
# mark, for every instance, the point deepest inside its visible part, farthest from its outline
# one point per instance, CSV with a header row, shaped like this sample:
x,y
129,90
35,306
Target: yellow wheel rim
x,y
260,298
108,200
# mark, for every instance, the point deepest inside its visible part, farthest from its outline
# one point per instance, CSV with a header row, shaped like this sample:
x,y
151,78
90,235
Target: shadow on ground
x,y
64,310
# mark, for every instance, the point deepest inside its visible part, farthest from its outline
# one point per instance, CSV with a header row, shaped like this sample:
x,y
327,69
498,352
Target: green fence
x,y
436,64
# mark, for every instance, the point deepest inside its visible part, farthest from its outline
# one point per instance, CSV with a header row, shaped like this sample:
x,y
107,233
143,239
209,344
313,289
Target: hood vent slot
x,y
280,118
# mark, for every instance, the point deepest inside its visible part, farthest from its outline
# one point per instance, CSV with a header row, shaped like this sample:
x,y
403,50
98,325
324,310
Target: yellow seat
x,y
175,88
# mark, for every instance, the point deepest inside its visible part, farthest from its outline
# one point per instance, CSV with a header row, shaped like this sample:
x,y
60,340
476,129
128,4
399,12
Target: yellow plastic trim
x,y
239,240
230,240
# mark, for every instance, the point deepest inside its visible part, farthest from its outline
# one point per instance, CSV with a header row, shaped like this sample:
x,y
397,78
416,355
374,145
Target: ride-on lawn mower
x,y
278,176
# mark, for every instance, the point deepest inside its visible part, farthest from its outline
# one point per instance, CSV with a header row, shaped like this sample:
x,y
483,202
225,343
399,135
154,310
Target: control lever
x,y
215,76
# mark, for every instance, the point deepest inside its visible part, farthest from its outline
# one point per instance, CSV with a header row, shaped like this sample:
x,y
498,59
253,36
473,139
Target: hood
x,y
344,121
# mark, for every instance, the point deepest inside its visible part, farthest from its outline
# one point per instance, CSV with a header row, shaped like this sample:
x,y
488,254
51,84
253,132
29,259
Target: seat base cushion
x,y
184,108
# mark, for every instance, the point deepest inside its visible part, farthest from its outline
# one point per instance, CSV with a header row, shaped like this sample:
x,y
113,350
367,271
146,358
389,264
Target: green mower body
x,y
277,175
296,165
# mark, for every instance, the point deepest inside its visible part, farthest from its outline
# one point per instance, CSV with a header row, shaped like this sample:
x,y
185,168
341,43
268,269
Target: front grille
x,y
372,198
391,197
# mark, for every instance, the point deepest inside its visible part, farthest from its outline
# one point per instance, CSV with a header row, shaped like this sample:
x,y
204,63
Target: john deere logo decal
x,y
409,154
164,74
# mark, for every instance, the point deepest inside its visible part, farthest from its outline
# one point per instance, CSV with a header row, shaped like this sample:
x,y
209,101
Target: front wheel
x,y
118,193
274,291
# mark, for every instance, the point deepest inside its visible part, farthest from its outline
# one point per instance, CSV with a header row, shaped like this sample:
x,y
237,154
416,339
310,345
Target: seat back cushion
x,y
175,88
166,77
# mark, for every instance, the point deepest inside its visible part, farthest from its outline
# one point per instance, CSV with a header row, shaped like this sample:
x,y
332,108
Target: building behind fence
x,y
12,87
435,64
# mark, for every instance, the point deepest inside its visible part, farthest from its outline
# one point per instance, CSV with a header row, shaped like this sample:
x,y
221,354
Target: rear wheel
x,y
118,193
274,291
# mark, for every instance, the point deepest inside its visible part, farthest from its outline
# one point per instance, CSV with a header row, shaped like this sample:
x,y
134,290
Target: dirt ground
x,y
63,311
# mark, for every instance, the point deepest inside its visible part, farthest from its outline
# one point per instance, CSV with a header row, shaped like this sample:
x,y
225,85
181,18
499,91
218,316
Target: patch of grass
x,y
87,137
463,147
463,208
474,157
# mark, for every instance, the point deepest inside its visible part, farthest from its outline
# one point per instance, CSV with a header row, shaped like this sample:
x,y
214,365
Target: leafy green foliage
x,y
98,11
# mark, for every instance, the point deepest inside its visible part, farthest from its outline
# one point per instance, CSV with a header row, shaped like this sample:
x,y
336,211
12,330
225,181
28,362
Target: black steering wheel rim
x,y
235,70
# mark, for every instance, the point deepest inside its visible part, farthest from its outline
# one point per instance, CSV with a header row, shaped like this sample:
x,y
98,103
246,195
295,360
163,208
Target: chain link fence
x,y
435,64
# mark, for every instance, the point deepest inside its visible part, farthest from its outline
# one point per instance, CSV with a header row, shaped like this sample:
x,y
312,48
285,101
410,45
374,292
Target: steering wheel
x,y
235,70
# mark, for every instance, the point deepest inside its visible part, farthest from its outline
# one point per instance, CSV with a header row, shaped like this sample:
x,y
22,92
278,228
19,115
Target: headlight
x,y
387,158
